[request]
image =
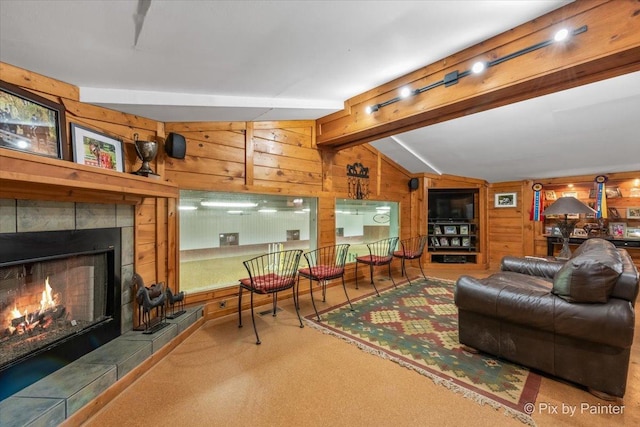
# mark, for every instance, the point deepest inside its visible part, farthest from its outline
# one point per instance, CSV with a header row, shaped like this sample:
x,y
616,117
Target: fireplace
x,y
59,299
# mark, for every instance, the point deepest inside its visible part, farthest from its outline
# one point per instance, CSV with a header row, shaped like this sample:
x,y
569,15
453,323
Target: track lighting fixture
x,y
453,77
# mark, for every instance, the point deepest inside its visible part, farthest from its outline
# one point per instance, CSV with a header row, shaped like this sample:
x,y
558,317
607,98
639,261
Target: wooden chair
x,y
325,264
270,274
411,249
380,253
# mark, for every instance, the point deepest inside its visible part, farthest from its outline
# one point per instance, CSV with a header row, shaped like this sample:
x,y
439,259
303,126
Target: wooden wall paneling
x,y
249,155
34,81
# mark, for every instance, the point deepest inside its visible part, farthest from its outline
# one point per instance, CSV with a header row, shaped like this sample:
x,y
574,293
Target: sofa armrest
x,y
531,266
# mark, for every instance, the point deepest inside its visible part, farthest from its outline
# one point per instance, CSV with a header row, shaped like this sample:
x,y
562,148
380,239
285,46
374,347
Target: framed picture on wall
x,y
550,195
505,200
31,123
633,213
96,149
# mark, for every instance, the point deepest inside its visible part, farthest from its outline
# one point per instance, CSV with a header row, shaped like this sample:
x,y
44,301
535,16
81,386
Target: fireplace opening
x,y
58,300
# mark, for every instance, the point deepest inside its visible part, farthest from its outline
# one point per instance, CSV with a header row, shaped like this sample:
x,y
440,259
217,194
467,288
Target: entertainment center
x,y
453,225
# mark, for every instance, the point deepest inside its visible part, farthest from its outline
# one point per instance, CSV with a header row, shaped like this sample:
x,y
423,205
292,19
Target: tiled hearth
x,y
55,398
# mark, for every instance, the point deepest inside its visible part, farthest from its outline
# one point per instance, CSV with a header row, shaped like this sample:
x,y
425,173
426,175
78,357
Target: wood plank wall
x,y
282,158
154,242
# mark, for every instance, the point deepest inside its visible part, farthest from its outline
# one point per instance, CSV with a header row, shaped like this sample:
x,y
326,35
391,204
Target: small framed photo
x,y
464,229
31,123
550,195
455,241
505,200
96,149
449,229
570,194
613,213
435,242
633,213
444,241
579,232
436,229
633,233
466,242
617,229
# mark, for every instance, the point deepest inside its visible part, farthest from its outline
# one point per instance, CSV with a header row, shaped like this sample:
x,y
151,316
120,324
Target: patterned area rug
x,y
417,326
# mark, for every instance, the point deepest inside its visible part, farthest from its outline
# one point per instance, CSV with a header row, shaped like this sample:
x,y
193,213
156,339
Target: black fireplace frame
x,y
18,248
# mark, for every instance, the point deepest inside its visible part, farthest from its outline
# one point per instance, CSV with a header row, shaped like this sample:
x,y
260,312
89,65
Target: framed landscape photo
x,y
31,123
633,213
464,229
96,149
505,200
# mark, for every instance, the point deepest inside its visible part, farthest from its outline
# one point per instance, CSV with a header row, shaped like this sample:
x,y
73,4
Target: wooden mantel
x,y
28,176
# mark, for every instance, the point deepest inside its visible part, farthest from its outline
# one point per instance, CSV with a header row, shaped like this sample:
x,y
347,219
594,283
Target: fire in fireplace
x,y
58,300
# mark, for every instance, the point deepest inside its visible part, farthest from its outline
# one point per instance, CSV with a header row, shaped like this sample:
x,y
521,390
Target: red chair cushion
x,y
267,283
374,259
322,272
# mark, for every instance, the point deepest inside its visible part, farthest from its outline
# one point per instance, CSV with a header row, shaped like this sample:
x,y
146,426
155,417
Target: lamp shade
x,y
567,206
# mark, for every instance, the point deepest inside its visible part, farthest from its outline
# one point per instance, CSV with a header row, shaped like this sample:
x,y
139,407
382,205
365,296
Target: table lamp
x,y
567,206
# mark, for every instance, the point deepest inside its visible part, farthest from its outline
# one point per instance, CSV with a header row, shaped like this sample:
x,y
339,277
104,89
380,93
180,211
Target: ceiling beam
x,y
610,47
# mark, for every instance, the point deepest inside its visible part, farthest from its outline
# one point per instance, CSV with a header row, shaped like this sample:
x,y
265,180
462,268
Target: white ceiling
x,y
288,60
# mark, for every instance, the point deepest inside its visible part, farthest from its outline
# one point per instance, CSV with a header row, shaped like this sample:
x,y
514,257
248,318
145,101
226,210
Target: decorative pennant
x,y
536,204
601,196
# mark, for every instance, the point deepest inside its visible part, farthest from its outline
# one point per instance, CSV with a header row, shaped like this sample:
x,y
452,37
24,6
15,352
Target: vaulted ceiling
x,y
269,60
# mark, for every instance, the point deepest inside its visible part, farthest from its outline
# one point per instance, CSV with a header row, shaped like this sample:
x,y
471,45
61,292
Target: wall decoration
x,y
31,123
570,194
633,213
550,195
505,200
633,233
617,229
358,181
96,149
381,218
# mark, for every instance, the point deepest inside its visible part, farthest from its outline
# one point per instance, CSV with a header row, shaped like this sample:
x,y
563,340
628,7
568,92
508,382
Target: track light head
x,y
405,92
478,67
561,35
372,108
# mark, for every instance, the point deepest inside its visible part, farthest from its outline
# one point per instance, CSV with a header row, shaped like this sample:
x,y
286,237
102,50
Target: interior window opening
x,y
218,231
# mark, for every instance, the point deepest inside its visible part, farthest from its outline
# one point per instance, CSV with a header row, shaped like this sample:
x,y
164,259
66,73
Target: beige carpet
x,y
301,377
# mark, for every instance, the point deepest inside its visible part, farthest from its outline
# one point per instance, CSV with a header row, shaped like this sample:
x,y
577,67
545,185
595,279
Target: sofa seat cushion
x,y
610,324
589,277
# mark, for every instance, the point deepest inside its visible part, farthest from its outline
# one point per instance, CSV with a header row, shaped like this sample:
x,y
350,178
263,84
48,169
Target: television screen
x,y
451,204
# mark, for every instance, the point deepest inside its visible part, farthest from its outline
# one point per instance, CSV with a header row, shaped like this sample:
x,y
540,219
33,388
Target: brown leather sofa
x,y
574,319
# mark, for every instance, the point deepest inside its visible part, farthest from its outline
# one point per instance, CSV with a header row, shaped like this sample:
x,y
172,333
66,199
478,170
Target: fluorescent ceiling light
x,y
302,212
214,204
267,210
187,208
234,212
383,208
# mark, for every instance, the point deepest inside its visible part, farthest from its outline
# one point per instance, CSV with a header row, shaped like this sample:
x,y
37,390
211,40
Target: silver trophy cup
x,y
147,151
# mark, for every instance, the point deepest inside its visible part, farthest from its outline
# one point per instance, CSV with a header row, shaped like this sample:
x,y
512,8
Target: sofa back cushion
x,y
590,276
594,244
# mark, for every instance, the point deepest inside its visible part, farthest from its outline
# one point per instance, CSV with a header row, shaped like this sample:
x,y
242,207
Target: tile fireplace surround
x,y
33,217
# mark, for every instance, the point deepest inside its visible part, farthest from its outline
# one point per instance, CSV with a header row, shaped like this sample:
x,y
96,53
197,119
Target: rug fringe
x,y
466,393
